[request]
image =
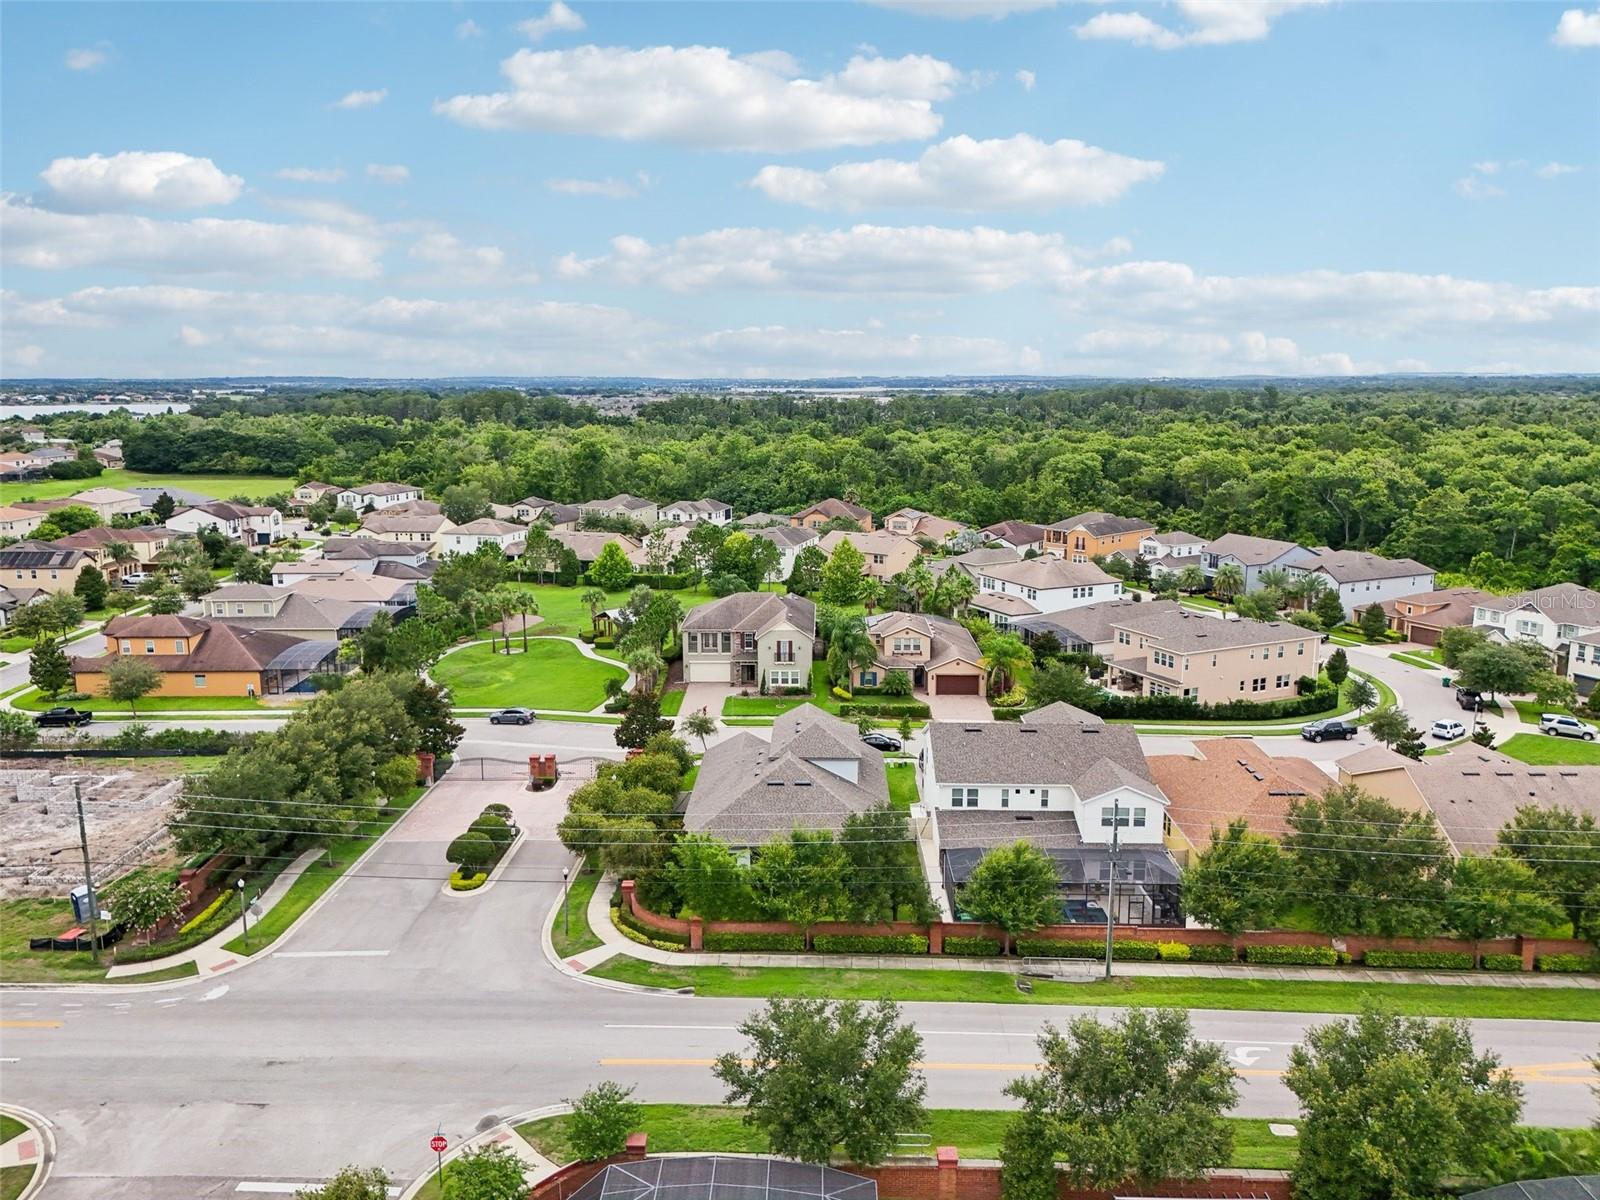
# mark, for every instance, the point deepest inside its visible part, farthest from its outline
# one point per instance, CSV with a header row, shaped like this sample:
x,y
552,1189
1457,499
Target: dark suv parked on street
x,y
1319,730
57,717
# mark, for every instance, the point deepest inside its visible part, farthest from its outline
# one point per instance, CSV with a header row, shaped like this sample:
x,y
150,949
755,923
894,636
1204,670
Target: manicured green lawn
x,y
1528,710
549,674
24,919
672,703
1414,660
567,616
1542,750
903,785
34,702
319,877
974,1132
580,937
182,971
1268,995
220,487
761,706
9,1128
14,1179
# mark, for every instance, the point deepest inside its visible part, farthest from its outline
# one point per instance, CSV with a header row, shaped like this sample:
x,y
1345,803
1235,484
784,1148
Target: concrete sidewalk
x,y
536,1168
212,956
33,1148
599,913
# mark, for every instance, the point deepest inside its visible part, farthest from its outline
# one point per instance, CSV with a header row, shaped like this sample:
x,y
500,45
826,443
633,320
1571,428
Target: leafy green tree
x,y
48,668
464,502
62,522
1136,1099
642,721
1337,667
489,1172
709,879
601,1120
1495,896
883,879
1553,691
801,878
195,580
815,1075
1328,608
17,731
611,571
1410,743
143,899
62,612
162,508
1361,693
90,587
805,577
428,706
844,574
1501,667
1456,642
351,1183
396,776
472,852
1374,622
1014,887
1389,725
1562,848
700,548
1392,1105
1243,881
1366,865
166,602
129,680
700,725
850,648
1066,683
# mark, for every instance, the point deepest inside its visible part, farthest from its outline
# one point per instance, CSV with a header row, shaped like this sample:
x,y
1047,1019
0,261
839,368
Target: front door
x,y
747,672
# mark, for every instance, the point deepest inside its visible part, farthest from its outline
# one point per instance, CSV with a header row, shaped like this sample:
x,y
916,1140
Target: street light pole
x,y
566,909
244,917
1111,884
88,876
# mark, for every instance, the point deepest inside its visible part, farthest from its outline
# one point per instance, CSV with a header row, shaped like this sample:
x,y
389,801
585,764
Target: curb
x,y
47,1157
509,1125
505,860
560,964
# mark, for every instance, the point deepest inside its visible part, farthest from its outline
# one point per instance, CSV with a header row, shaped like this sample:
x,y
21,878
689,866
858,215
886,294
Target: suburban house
x,y
19,522
1362,578
31,435
689,512
257,606
972,562
108,502
1583,663
1021,536
1008,592
914,523
197,657
288,574
1551,616
750,639
147,542
1422,618
1472,792
151,496
1095,535
1089,629
937,654
1169,553
1226,780
109,454
474,535
307,494
1208,659
406,529
887,554
813,774
790,540
53,569
817,515
353,552
393,595
757,520
22,464
254,525
1069,783
1252,555
586,545
376,496
633,508
546,512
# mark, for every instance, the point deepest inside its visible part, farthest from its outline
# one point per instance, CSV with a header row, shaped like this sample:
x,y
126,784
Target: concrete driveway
x,y
958,708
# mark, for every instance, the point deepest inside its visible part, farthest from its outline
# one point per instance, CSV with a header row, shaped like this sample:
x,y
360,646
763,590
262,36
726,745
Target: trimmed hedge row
x,y
625,921
780,943
1176,708
1568,964
1502,962
848,708
467,883
847,943
1213,954
1295,956
1427,960
633,935
1130,951
971,947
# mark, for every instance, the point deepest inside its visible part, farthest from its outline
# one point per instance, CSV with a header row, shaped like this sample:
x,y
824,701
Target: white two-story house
x,y
1031,587
377,496
692,512
750,640
1170,553
1362,578
1252,555
485,531
1564,618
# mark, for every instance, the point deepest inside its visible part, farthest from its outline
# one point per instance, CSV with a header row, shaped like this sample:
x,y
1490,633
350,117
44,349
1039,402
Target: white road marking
x,y
333,954
718,1028
72,1006
215,993
173,1000
284,1189
1248,1056
9,1060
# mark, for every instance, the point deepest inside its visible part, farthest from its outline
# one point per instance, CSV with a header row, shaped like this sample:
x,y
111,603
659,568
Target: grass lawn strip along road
x,y
550,674
974,1132
320,876
32,701
219,487
994,987
1542,750
581,937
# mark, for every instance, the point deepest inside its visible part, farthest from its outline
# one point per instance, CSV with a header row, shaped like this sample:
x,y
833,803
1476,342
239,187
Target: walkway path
x,y
33,1149
212,956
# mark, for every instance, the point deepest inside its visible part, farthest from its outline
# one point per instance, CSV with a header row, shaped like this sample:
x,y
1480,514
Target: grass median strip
x,y
573,936
994,987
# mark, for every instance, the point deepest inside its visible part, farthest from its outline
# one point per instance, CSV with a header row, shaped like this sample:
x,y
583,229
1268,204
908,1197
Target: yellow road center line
x,y
30,1024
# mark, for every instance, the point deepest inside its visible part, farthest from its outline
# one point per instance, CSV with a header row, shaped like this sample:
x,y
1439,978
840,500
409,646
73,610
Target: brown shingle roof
x,y
215,646
1103,524
1232,778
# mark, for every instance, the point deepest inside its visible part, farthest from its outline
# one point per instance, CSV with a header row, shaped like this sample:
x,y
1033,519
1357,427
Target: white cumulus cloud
x,y
1027,79
1166,352
778,350
966,10
310,174
388,172
558,18
608,188
139,179
708,97
1577,28
369,99
469,29
1019,172
87,58
1208,23
1554,170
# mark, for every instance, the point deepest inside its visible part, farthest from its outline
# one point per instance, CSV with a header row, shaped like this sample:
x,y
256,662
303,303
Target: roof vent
x,y
971,729
1027,729
802,783
774,783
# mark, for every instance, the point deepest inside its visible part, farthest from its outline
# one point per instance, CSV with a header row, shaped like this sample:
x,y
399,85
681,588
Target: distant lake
x,y
139,408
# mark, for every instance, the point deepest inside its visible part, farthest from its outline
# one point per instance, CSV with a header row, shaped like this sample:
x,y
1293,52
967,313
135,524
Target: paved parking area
x,y
958,708
451,806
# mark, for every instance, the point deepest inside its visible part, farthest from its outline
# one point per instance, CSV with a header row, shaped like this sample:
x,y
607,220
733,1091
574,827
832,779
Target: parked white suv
x,y
1564,726
1448,731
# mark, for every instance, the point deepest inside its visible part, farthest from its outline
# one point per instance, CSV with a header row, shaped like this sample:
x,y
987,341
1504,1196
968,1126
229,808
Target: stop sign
x,y
437,1144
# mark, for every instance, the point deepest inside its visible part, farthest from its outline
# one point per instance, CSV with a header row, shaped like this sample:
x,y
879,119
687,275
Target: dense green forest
x,y
1486,479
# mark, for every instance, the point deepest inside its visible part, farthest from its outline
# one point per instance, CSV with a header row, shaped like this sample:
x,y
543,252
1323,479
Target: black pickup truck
x,y
60,717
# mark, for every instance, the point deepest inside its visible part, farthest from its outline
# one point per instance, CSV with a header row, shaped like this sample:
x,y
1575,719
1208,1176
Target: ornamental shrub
x,y
1502,962
1173,951
467,883
1213,954
971,947
845,943
776,943
1424,960
1568,964
1298,956
1046,948
471,851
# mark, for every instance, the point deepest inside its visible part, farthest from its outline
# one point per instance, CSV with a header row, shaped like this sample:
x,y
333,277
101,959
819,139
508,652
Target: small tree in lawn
x,y
642,721
1410,743
1360,693
489,1172
611,571
1241,882
471,852
351,1183
864,725
904,728
1337,667
166,602
49,670
17,731
1502,667
1139,1098
843,576
129,681
594,600
816,1075
1495,896
602,1118
1389,725
1014,887
143,899
1228,582
1391,1105
163,507
1374,622
90,587
700,725
1329,609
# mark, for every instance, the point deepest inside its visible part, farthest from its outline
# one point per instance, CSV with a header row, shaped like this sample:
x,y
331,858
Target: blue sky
x,y
1197,187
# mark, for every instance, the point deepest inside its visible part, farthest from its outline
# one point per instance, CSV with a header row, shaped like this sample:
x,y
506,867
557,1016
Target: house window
x,y
1259,684
149,646
727,643
1282,681
1044,797
907,646
784,652
199,681
1138,818
180,645
1005,797
1527,628
783,678
1119,815
693,643
964,797
1122,639
1163,658
127,646
750,640
869,679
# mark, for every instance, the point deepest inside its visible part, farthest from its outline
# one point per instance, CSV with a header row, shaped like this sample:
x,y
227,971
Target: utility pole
x,y
1111,884
88,876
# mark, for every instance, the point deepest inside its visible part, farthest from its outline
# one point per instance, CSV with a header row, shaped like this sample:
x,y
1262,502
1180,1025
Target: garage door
x,y
956,685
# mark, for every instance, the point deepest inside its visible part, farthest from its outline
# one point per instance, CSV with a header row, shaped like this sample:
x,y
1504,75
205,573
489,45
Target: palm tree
x,y
645,664
954,591
594,600
1191,579
918,583
849,649
1275,579
1228,582
120,553
1004,654
700,725
871,594
507,601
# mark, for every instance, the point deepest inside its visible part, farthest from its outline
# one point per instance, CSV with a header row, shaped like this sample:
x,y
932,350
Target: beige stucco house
x,y
938,654
887,554
1209,659
750,639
